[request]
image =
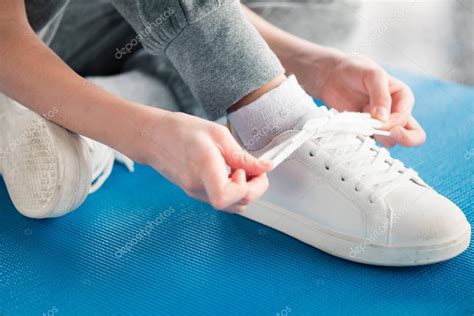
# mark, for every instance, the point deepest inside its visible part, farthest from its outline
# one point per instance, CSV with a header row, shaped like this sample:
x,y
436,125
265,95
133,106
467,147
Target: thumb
x,y
376,83
237,158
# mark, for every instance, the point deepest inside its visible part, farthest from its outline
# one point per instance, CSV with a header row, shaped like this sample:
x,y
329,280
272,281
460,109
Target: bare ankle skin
x,y
257,93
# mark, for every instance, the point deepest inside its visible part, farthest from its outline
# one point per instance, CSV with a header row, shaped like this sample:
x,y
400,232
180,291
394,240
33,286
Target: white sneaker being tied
x,y
336,190
48,170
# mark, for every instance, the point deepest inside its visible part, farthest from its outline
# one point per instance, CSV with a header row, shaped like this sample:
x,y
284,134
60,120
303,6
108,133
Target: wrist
x,y
312,64
153,125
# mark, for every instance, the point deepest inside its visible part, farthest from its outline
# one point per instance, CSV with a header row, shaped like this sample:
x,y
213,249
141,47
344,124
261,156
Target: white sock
x,y
278,110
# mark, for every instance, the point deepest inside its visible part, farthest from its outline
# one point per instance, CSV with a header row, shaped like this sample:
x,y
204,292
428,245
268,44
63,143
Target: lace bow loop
x,y
332,124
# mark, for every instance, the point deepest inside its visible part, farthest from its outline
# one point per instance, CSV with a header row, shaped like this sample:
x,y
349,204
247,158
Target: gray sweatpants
x,y
218,54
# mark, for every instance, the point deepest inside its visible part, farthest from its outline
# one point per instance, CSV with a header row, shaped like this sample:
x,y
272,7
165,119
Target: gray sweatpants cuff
x,y
222,58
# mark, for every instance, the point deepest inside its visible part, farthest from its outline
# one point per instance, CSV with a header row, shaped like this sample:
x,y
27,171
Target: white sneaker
x,y
336,190
48,170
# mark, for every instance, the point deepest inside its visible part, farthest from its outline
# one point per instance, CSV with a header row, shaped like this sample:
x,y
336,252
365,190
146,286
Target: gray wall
x,y
434,38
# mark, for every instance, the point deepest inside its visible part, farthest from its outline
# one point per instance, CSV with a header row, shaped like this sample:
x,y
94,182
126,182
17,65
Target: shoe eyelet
x,y
343,179
327,167
311,154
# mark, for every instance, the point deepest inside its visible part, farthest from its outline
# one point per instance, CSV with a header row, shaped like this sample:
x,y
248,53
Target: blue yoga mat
x,y
140,246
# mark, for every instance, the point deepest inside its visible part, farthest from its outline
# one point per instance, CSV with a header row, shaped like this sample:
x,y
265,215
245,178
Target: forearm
x,y
291,50
34,76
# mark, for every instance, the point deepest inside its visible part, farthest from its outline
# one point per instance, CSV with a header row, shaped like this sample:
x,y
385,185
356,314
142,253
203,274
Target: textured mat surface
x,y
183,258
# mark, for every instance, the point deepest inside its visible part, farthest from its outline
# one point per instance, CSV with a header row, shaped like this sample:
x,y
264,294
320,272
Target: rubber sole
x,y
350,248
46,169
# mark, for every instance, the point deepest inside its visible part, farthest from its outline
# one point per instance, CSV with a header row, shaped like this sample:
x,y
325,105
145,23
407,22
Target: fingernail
x,y
381,113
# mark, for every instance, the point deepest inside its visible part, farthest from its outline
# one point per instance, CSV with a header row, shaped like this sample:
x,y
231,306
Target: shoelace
x,y
103,158
347,136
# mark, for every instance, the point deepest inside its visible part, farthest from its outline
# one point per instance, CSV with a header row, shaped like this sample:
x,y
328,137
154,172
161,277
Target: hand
x,y
204,159
359,84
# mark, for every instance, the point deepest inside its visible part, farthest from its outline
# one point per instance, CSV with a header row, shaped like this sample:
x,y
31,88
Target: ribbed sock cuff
x,y
274,112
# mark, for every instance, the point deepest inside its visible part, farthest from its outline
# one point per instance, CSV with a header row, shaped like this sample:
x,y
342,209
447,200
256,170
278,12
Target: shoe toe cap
x,y
429,220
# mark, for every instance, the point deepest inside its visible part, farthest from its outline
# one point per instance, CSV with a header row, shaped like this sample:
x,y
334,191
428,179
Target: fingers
x,y
403,131
237,158
403,101
221,189
251,165
236,209
235,193
246,182
256,188
229,192
376,83
224,191
386,141
410,135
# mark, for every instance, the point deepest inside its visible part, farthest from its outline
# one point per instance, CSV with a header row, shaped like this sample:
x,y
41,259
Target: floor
x,y
140,246
196,261
432,38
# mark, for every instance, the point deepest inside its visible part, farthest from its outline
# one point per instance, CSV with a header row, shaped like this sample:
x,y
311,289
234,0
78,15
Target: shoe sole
x,y
46,168
344,246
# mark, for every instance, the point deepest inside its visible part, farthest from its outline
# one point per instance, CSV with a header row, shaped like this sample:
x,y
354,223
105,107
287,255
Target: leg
x,y
48,170
96,57
192,33
88,36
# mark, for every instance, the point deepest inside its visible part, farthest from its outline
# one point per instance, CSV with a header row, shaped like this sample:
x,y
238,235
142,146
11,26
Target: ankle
x,y
254,95
270,114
